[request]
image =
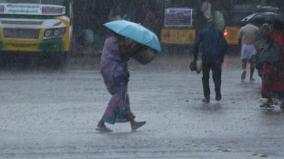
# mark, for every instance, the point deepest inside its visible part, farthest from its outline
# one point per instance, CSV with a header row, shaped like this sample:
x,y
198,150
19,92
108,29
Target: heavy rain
x,y
127,79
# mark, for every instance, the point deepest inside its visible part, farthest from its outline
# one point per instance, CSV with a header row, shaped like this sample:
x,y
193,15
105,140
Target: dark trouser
x,y
217,72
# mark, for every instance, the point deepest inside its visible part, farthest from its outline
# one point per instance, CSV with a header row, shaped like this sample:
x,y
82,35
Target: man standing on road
x,y
248,35
213,51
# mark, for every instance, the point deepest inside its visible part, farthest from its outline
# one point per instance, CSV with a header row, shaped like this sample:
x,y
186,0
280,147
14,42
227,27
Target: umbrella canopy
x,y
135,32
264,17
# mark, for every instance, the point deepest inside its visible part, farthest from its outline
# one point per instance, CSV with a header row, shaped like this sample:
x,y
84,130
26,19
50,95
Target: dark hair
x,y
265,29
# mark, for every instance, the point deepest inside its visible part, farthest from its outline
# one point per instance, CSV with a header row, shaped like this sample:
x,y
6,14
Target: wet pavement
x,y
53,115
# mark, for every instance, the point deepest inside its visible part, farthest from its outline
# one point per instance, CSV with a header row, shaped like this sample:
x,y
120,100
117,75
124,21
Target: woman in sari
x,y
115,73
272,72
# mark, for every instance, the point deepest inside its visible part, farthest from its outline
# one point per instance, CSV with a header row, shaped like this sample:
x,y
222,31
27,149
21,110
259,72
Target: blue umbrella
x,y
135,32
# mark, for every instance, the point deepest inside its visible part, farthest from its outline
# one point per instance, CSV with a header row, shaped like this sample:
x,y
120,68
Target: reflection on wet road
x,y
53,114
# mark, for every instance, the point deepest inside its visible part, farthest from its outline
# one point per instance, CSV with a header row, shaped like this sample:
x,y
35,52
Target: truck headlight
x,y
54,33
48,33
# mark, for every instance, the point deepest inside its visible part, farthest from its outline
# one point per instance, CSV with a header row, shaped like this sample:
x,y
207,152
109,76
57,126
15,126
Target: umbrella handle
x,y
131,50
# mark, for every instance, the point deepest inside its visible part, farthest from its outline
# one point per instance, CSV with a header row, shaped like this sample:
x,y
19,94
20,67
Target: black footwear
x,y
135,125
206,100
218,97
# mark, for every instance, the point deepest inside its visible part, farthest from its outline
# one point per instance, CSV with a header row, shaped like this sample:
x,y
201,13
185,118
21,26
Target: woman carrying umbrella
x,y
114,69
115,73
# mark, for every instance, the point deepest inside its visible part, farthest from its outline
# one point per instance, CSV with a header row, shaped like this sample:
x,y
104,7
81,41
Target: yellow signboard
x,y
232,35
178,36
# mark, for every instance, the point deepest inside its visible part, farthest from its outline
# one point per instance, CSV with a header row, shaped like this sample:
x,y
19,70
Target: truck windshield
x,y
55,2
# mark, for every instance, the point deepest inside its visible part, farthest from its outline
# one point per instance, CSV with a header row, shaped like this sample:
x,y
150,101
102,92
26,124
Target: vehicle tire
x,y
3,61
53,60
59,60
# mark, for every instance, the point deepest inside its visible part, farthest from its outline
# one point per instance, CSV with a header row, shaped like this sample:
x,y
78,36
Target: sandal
x,y
266,105
135,125
103,129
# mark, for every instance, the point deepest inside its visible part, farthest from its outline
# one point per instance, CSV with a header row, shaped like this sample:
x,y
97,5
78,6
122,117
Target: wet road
x,y
53,115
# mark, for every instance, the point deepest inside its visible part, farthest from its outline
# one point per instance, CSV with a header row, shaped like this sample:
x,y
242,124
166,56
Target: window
x,y
19,1
56,2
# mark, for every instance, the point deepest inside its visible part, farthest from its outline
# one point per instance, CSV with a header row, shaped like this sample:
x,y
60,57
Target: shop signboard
x,y
178,17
